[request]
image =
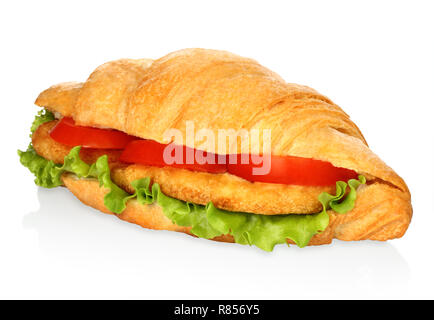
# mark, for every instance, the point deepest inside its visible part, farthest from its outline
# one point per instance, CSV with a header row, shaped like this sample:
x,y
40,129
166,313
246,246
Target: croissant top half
x,y
217,90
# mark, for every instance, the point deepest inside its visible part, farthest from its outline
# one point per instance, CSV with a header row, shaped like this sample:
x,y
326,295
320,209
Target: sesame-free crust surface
x,y
218,90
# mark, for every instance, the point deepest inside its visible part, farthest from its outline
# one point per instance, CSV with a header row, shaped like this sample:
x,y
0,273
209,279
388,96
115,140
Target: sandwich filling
x,y
207,220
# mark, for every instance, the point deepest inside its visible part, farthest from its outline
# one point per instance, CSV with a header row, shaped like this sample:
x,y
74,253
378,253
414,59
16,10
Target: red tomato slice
x,y
292,170
66,132
284,170
151,153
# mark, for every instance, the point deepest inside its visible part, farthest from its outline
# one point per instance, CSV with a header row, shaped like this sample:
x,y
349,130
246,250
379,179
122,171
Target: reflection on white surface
x,y
108,253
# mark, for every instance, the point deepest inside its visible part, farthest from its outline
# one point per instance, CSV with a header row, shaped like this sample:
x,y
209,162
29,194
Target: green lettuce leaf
x,y
48,174
43,116
44,170
335,202
263,231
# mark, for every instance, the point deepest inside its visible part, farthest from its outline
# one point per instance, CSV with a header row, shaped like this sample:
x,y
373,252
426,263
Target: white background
x,y
374,59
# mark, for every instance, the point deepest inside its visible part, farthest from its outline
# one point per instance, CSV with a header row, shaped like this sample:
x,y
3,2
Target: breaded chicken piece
x,y
46,147
226,191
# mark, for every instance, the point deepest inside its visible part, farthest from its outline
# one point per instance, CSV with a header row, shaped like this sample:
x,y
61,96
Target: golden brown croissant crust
x,y
220,90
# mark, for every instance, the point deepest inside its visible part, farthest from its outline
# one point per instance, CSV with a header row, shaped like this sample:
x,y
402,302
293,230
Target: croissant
x,y
217,90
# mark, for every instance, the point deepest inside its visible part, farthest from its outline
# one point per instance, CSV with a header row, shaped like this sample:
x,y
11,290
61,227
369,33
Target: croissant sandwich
x,y
215,145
